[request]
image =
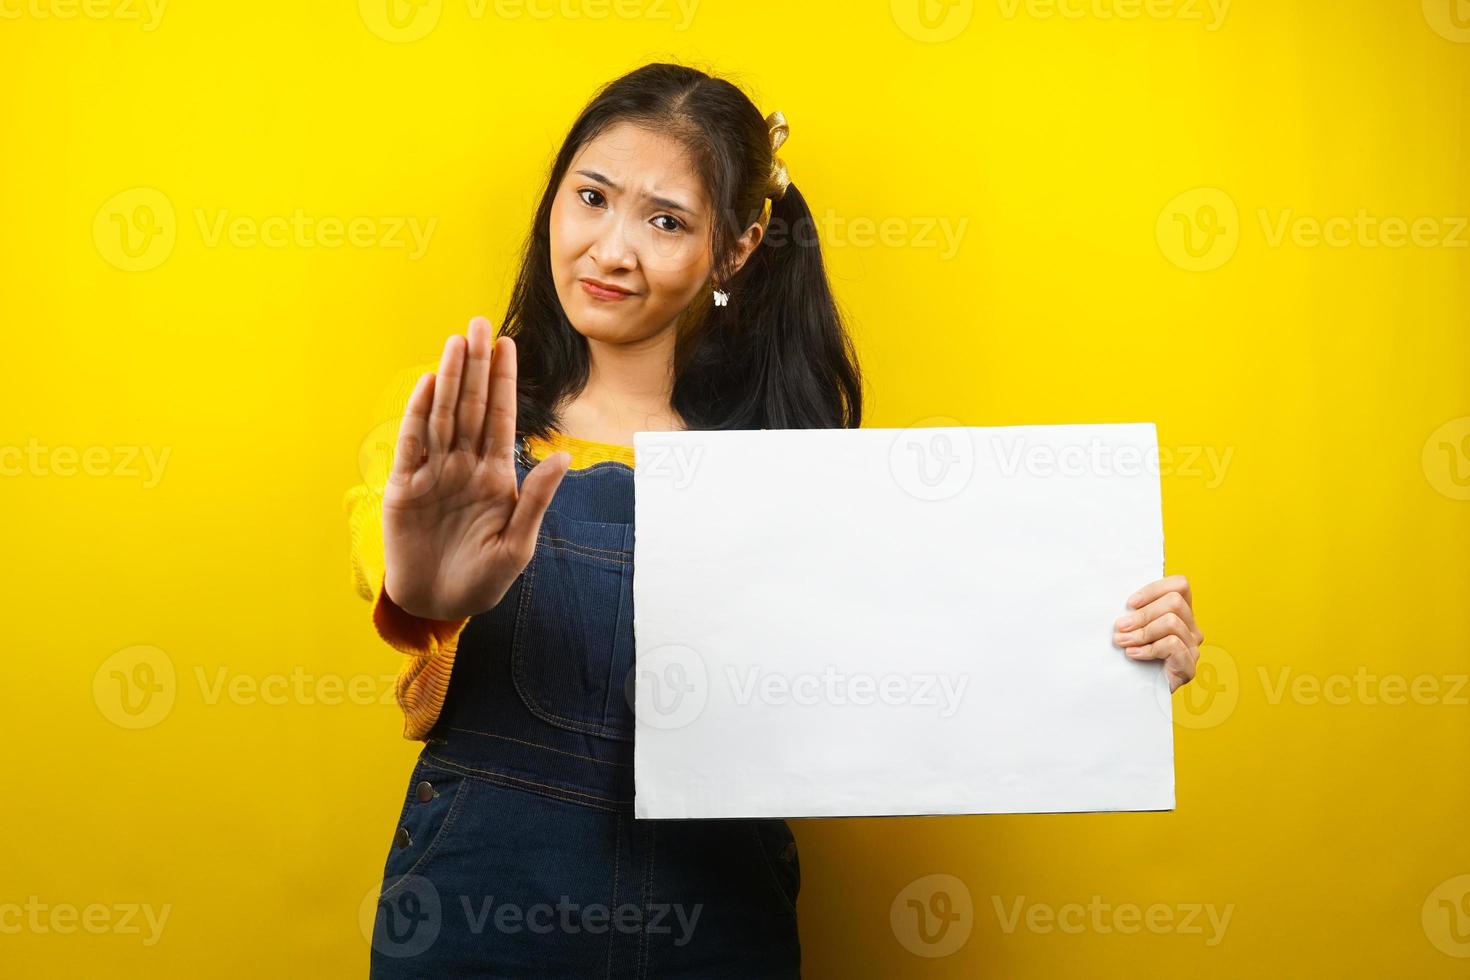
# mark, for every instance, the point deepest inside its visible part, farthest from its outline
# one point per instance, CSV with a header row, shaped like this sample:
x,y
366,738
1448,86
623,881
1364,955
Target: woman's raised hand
x,y
456,530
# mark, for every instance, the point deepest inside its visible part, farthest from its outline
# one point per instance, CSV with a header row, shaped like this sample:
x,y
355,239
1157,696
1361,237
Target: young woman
x,y
656,292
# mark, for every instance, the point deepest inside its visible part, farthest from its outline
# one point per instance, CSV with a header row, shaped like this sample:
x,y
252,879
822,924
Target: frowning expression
x,y
632,214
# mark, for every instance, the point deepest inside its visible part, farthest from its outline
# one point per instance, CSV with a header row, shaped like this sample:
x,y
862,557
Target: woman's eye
x,y
674,224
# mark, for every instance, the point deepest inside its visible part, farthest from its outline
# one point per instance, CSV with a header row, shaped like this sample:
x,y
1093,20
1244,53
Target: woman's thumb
x,y
537,489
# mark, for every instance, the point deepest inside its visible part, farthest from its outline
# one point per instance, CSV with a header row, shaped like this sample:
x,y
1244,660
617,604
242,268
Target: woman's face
x,y
631,212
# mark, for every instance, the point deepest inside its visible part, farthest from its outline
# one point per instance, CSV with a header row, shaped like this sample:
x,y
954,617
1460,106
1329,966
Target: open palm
x,y
457,530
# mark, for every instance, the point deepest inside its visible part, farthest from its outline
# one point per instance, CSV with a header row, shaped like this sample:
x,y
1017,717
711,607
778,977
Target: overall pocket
x,y
573,647
433,802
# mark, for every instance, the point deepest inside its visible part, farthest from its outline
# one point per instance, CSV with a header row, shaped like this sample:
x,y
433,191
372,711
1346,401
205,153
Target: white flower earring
x,y
721,297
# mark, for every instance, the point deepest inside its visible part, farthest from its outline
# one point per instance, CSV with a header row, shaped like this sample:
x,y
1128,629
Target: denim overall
x,y
516,853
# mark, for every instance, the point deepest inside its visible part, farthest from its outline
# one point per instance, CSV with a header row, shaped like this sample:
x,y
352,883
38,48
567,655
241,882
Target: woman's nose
x,y
612,248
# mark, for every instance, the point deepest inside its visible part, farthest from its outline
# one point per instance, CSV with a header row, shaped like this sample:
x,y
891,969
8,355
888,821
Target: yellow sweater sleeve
x,y
429,644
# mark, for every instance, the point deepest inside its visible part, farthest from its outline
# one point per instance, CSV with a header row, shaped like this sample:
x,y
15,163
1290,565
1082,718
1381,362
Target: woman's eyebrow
x,y
662,202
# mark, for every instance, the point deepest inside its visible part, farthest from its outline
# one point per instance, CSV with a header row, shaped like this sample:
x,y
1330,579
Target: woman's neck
x,y
628,390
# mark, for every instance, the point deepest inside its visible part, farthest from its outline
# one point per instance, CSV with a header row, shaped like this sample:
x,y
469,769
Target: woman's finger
x,y
1155,629
470,415
446,393
500,432
1180,667
413,431
1151,591
1169,602
1172,645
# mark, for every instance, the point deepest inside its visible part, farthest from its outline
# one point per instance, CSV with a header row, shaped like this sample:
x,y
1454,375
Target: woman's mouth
x,y
599,291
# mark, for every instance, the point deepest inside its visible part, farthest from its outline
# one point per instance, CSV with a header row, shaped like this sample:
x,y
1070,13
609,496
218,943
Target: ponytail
x,y
778,355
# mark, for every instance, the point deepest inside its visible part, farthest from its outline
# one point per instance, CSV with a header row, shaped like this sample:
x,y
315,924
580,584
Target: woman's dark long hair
x,y
778,357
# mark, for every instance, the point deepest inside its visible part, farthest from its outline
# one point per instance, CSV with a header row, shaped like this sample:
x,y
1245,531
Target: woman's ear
x,y
747,244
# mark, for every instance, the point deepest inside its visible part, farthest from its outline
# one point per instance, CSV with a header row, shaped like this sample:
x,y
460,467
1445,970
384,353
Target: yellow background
x,y
1069,148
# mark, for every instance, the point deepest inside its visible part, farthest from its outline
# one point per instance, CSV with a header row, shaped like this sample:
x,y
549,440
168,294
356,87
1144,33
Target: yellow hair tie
x,y
780,179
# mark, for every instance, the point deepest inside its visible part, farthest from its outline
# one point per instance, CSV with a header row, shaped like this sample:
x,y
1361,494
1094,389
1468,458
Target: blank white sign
x,y
864,622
